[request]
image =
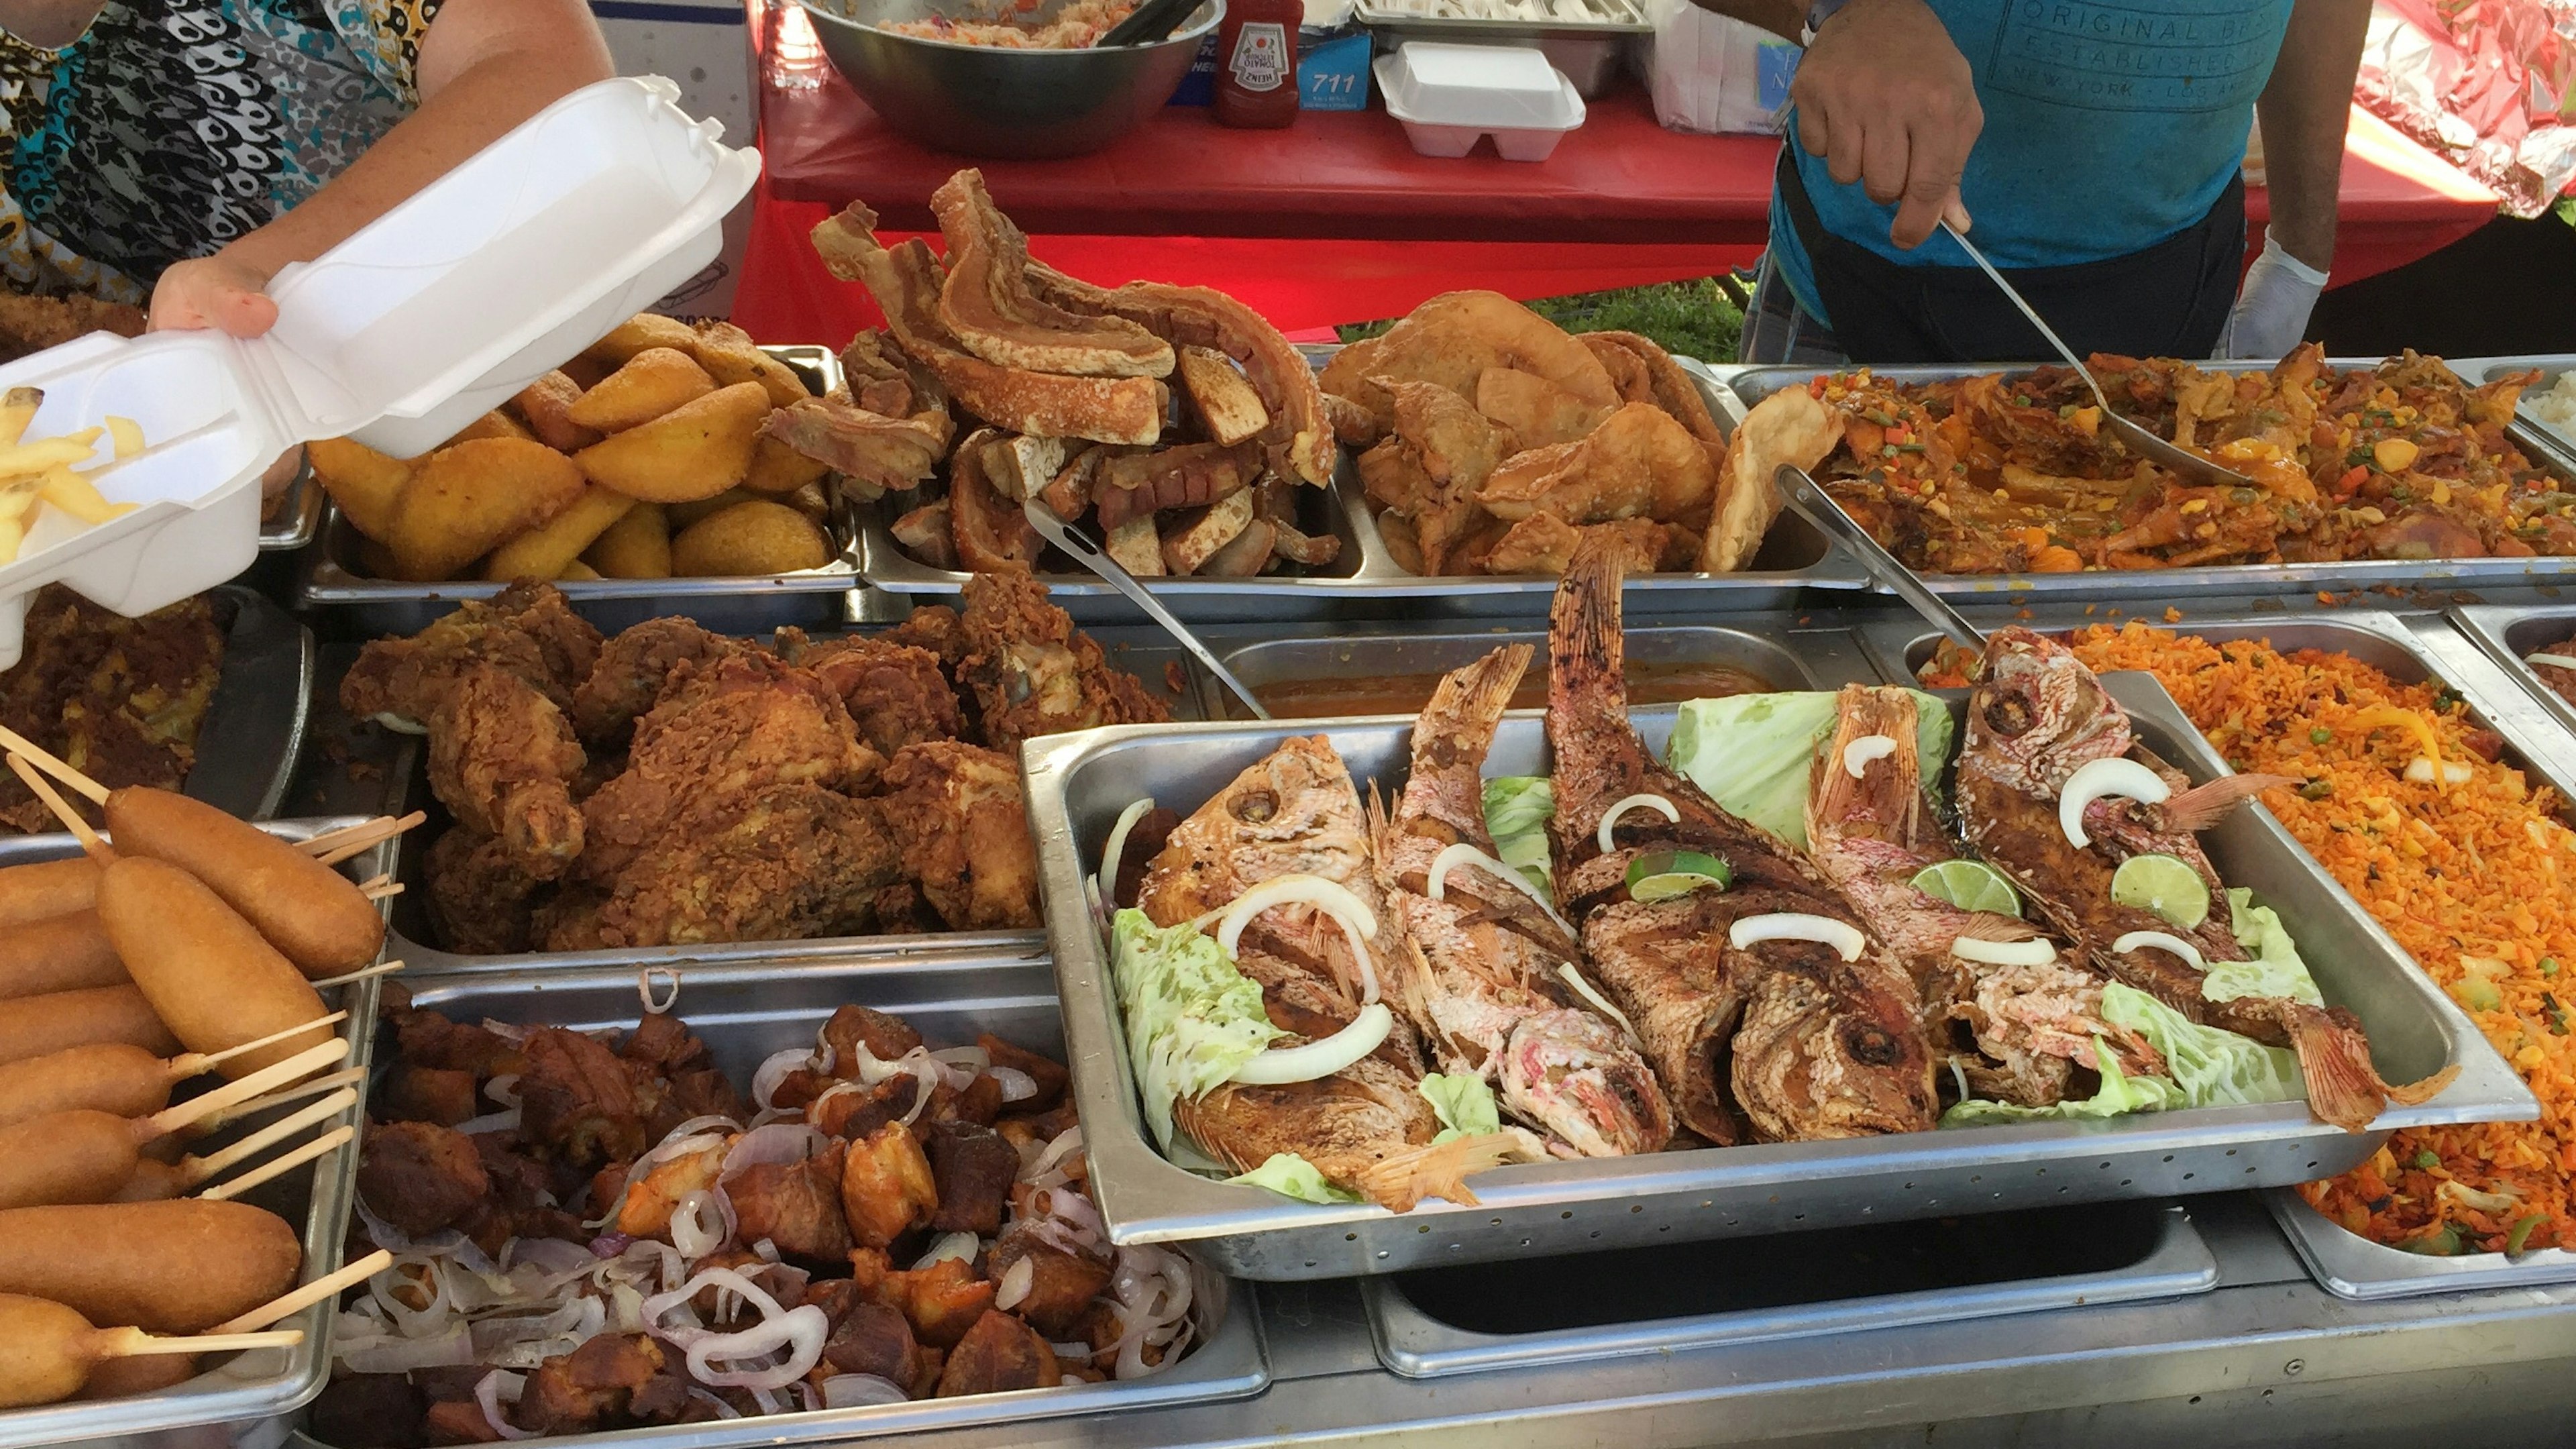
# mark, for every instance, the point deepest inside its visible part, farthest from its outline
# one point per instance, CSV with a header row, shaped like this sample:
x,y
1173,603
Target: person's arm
x,y
2304,111
485,66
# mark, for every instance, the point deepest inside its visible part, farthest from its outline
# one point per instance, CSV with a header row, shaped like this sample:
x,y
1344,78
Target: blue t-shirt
x,y
2108,129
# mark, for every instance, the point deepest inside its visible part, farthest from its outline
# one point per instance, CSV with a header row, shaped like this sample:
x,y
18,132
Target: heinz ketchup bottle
x,y
1256,62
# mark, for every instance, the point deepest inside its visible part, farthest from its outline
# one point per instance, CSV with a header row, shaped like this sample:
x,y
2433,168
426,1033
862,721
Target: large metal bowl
x,y
1013,104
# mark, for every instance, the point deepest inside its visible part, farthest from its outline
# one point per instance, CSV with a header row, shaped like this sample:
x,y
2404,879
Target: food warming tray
x,y
1367,582
237,1405
2557,441
1752,384
2509,633
299,514
746,1010
2412,652
1435,1322
810,598
1079,783
253,732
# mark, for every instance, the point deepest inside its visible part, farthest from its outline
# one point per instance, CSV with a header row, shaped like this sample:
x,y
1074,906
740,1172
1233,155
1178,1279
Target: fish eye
x,y
1254,806
2008,715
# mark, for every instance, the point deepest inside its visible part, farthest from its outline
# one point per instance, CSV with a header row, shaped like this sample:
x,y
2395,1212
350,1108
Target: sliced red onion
x,y
773,1071
548,1255
662,1303
1063,1145
392,1353
778,1142
1016,1282
766,1401
610,1245
487,1394
961,1246
861,1391
432,1317
1017,1085
503,1089
970,1060
800,1331
446,1243
1074,1208
1074,1352
690,1232
681,1141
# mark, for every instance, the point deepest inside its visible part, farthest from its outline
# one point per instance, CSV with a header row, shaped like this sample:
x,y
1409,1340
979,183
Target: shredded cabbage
x,y
1290,1175
1192,1019
2120,1094
1752,752
2214,1067
1464,1104
2276,969
1517,809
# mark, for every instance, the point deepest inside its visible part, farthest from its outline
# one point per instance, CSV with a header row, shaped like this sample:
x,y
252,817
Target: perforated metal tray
x,y
1078,784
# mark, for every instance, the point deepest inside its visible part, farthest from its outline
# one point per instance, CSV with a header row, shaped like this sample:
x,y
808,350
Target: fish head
x,y
1821,1054
1573,1074
1293,812
2040,715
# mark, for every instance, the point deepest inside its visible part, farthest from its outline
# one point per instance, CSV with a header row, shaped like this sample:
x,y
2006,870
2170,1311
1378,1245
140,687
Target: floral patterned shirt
x,y
171,127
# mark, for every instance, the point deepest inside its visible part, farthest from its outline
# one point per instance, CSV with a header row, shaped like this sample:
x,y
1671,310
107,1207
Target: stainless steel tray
x,y
2350,1266
1753,384
1367,582
331,578
240,1402
2509,632
1704,1295
1079,783
2557,442
253,732
1145,652
746,1011
298,517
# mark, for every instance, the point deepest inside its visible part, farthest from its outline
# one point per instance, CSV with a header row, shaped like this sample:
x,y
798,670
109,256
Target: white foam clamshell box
x,y
431,316
1447,97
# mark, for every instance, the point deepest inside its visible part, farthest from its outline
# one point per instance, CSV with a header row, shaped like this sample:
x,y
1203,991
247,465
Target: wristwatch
x,y
1818,12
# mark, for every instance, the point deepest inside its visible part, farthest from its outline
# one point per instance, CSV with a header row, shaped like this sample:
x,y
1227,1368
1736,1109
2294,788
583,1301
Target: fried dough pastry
x,y
1638,463
1788,427
1538,412
1545,544
1452,339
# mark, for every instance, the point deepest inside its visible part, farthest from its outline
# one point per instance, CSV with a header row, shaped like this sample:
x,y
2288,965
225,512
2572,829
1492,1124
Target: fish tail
x,y
2203,806
1587,656
1889,790
1401,1182
2344,1088
1469,703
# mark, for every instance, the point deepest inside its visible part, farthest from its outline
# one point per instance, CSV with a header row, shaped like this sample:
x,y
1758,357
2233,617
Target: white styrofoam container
x,y
1447,97
427,318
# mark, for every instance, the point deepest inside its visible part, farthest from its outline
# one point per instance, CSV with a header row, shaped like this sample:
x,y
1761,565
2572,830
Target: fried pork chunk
x,y
1032,673
963,826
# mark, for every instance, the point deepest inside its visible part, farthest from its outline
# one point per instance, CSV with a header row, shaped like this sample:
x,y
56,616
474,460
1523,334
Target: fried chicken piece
x,y
897,694
722,729
502,758
633,669
526,629
570,922
933,627
29,325
781,862
963,824
119,699
1032,673
480,898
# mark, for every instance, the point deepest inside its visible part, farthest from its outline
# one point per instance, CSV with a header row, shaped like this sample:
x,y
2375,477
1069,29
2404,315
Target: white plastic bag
x,y
1709,72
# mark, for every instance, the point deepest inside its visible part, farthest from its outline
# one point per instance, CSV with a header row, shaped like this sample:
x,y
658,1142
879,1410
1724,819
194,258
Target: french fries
x,y
39,474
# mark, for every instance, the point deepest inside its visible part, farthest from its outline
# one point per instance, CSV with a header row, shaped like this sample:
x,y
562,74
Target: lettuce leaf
x,y
1752,752
2120,1094
1290,1175
1192,1019
2214,1067
1517,809
2276,969
1464,1105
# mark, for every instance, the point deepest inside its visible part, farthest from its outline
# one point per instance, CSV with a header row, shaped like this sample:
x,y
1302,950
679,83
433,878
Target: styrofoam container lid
x,y
427,318
1477,85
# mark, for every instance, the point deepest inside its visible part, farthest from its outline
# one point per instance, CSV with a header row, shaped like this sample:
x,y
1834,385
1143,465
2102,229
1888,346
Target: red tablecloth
x,y
1337,220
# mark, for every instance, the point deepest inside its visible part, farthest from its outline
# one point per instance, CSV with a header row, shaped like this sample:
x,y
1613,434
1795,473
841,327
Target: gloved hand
x,y
2272,307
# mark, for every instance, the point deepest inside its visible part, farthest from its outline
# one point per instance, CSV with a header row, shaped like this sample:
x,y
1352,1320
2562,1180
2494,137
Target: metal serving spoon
x,y
1091,556
1809,502
2140,440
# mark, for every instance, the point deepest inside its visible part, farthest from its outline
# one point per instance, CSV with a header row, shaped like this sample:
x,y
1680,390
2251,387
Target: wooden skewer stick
x,y
62,808
134,1342
335,846
310,1294
298,1092
196,1170
381,890
17,743
328,1142
189,1064
386,969
233,1094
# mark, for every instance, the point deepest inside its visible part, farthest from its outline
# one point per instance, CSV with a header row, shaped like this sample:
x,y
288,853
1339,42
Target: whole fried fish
x,y
2041,715
1479,968
1365,1128
2026,1027
1799,1042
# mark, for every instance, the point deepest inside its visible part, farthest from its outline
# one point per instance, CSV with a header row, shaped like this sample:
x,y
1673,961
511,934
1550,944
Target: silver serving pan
x,y
1145,652
298,517
1366,581
1678,1296
238,1404
332,579
744,1012
1079,783
2411,651
2557,441
2509,632
1753,384
253,732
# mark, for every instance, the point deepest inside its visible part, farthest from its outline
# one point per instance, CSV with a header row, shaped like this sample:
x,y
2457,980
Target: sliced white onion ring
x,y
2098,780
1464,854
1858,754
1331,897
1282,1065
1584,989
2163,941
644,988
961,1246
1610,817
2554,661
1843,936
2037,951
1111,854
487,1395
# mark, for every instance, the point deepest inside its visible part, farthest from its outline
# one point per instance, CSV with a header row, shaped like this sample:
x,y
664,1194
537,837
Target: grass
x,y
1692,318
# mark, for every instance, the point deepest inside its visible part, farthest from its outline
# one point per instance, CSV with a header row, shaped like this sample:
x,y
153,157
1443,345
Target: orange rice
x,y
2477,879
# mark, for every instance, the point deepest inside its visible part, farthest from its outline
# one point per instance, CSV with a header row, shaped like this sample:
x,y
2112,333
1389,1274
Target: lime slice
x,y
2164,886
1971,885
1662,875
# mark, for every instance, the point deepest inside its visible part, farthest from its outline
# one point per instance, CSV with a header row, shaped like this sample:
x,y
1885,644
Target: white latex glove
x,y
2272,307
